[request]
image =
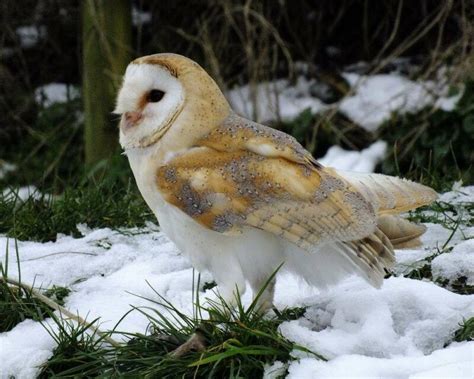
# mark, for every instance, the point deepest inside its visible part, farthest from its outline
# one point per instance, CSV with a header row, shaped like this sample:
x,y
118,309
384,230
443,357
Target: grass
x,y
451,217
239,342
446,214
99,204
18,303
466,331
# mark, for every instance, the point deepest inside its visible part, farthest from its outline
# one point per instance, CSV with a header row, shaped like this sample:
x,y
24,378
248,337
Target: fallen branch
x,y
52,304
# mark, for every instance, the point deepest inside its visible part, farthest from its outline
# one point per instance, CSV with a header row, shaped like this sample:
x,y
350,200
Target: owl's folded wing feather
x,y
225,191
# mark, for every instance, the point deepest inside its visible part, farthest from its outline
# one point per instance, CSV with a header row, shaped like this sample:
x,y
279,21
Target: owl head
x,y
167,97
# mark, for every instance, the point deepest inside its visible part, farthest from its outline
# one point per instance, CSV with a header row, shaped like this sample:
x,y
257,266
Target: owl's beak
x,y
131,119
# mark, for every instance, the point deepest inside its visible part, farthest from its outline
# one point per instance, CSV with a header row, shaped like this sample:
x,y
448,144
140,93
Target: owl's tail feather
x,y
372,256
402,233
389,194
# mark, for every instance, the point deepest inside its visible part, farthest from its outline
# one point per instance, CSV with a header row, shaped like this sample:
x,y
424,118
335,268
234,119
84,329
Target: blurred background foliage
x,y
239,42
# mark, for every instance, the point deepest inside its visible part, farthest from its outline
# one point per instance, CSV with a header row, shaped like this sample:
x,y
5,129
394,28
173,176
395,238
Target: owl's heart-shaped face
x,y
149,101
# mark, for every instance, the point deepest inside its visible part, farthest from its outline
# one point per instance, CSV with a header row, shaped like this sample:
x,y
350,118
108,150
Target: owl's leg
x,y
265,301
229,278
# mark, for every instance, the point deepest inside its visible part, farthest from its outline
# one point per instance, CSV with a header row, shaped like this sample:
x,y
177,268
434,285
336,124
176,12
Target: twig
x,y
59,253
50,303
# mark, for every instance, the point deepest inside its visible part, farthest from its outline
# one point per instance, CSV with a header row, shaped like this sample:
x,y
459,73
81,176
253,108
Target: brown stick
x,y
50,303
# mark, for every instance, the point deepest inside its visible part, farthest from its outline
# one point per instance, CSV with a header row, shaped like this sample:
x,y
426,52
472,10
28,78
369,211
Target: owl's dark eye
x,y
155,95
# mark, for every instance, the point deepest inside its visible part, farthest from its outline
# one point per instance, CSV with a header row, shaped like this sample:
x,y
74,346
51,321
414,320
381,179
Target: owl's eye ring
x,y
155,95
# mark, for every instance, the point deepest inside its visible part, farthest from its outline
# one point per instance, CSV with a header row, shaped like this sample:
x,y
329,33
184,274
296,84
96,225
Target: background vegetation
x,y
239,42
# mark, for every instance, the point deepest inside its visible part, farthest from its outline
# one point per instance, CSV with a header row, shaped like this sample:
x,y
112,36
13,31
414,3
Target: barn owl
x,y
240,198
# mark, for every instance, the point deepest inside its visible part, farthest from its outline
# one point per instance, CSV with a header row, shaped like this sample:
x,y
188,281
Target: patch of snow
x,y
458,195
30,35
453,362
275,100
433,240
359,161
22,194
374,97
5,168
377,96
414,317
107,271
140,17
448,104
458,263
52,93
275,370
23,349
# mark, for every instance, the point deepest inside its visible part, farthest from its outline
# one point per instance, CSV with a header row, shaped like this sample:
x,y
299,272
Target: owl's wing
x,y
239,134
305,204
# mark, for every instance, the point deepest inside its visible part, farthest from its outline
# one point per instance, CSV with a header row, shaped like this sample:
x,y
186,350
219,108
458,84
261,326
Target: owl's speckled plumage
x,y
240,198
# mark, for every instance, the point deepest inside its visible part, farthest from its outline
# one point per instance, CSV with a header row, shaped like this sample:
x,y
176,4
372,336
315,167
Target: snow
x,y
5,168
23,349
371,101
359,161
453,362
376,97
52,93
22,194
458,195
404,321
458,263
279,99
30,35
399,331
140,17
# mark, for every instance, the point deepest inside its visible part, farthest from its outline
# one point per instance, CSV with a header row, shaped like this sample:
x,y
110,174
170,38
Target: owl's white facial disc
x,y
149,101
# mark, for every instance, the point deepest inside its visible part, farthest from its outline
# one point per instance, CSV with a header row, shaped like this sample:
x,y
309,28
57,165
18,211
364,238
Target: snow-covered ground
x,y
398,331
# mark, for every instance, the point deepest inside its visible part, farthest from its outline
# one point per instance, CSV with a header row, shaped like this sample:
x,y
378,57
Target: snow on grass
x,y
30,35
52,93
434,240
279,99
359,161
5,168
373,100
458,195
405,319
140,17
21,194
459,263
398,331
378,96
